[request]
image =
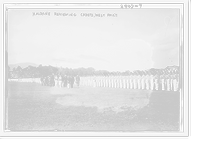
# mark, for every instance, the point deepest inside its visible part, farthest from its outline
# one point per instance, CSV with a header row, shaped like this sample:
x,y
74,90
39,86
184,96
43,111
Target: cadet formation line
x,y
169,81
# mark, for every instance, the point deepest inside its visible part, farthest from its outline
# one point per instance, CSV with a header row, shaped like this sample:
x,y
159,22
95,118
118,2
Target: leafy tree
x,y
19,72
25,73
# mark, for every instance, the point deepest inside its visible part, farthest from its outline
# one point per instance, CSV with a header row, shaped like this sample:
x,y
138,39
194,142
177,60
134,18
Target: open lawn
x,y
34,107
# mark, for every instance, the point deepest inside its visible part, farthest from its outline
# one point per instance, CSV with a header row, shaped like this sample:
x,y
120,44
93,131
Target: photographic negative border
x,y
93,6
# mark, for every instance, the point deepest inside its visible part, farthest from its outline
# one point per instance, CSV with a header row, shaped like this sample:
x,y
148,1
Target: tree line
x,y
43,71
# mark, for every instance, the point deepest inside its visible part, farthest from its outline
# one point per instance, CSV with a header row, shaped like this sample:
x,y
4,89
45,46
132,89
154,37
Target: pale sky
x,y
135,39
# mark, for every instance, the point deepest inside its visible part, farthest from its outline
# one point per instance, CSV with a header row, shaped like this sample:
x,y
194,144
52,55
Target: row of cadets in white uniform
x,y
146,82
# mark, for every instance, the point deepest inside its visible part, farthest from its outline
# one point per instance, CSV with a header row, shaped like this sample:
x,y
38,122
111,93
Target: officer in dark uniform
x,y
71,81
52,81
65,80
42,81
77,80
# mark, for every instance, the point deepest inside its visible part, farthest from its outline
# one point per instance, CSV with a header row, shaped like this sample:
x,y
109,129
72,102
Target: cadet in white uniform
x,y
167,81
112,81
94,81
171,80
97,80
115,82
162,81
152,81
139,81
143,79
134,81
56,80
101,82
118,81
131,81
175,82
112,84
178,80
147,80
123,82
59,81
107,81
156,82
126,82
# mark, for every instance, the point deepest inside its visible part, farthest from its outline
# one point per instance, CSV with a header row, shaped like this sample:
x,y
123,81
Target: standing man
x,y
71,81
120,81
142,80
32,77
127,79
179,85
168,82
94,81
56,80
152,80
77,80
52,81
62,80
162,78
147,80
176,82
171,80
65,82
49,80
42,81
106,81
124,81
131,81
134,80
156,81
59,81
68,81
139,76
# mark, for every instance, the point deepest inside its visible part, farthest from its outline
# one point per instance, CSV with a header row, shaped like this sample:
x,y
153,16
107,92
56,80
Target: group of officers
x,y
145,82
60,80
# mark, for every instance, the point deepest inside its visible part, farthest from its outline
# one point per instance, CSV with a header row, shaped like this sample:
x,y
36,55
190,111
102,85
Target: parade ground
x,y
31,106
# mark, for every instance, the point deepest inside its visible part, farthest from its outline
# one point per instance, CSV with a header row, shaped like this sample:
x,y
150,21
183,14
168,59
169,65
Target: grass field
x,y
34,107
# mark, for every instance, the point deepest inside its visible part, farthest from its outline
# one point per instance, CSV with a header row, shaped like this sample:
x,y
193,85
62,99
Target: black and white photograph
x,y
97,68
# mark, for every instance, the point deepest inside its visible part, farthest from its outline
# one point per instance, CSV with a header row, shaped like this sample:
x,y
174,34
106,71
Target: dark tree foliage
x,y
43,71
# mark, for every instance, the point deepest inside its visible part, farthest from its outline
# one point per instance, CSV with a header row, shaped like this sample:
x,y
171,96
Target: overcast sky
x,y
135,39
